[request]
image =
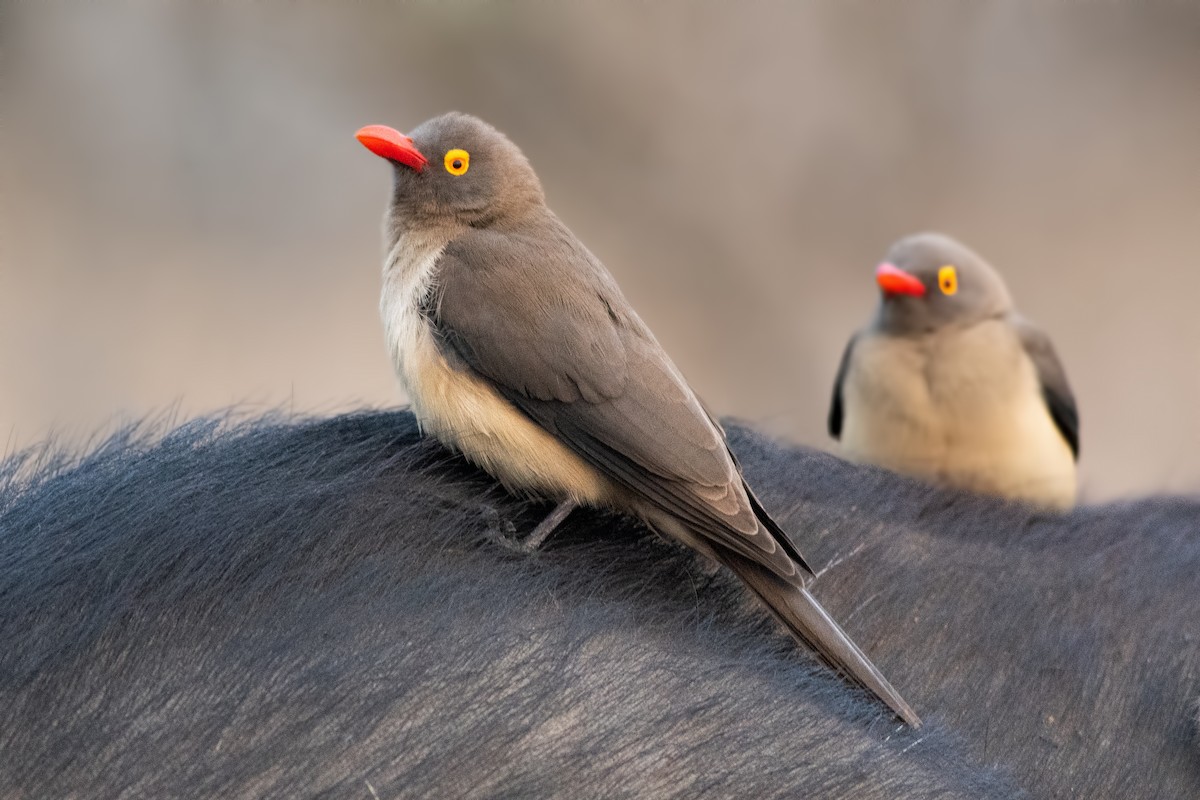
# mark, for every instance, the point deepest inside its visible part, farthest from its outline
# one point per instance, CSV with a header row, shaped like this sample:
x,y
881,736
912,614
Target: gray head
x,y
454,169
930,281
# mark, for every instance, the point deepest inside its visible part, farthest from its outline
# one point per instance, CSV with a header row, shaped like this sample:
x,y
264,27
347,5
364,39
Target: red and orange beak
x,y
894,280
390,143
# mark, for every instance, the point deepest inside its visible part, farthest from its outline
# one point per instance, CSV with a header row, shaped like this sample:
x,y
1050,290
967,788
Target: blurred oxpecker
x,y
948,383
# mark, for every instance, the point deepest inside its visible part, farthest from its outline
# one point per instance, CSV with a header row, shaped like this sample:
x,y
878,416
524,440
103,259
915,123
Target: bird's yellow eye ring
x,y
457,161
948,279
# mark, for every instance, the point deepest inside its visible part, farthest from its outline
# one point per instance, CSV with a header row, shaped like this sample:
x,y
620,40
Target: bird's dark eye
x,y
457,161
948,279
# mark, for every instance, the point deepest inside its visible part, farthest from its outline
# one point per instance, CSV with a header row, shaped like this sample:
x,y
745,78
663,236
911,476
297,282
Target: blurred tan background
x,y
188,221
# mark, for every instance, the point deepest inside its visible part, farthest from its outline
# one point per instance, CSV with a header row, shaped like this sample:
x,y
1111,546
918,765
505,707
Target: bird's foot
x,y
504,532
548,525
497,527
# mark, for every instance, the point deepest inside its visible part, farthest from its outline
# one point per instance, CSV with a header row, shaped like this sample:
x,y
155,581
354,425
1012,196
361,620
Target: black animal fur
x,y
317,609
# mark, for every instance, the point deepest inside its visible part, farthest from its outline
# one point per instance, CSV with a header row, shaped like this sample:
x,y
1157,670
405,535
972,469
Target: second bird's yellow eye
x,y
457,161
948,280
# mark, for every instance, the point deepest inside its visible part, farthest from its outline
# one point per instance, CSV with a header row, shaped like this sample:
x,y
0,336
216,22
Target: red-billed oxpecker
x,y
517,349
949,384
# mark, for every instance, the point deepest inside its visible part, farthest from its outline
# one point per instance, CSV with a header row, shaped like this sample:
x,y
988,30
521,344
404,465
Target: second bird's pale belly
x,y
966,411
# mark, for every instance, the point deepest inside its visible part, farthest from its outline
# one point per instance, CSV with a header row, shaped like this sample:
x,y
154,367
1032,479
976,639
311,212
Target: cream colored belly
x,y
966,411
467,414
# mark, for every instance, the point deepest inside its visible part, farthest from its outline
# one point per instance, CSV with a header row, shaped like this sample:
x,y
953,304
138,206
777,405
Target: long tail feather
x,y
799,611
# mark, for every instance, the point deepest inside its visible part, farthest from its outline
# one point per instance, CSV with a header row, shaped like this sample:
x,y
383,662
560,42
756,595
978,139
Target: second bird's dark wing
x,y
537,316
837,408
1056,391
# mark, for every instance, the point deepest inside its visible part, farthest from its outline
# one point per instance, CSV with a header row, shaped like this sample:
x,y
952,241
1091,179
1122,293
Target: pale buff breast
x,y
963,409
463,411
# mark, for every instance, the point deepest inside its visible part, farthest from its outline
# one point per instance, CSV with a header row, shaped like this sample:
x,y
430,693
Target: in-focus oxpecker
x,y
949,384
516,348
